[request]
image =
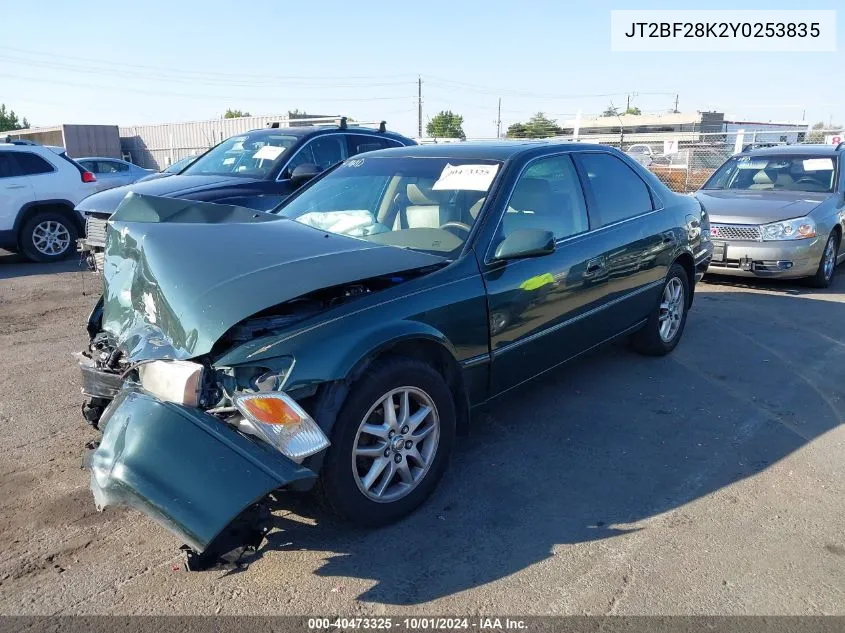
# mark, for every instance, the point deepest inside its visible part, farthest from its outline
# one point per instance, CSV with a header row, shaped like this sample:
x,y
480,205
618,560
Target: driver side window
x,y
323,151
547,196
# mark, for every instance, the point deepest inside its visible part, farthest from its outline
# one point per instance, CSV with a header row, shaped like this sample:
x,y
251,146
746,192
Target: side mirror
x,y
303,173
526,243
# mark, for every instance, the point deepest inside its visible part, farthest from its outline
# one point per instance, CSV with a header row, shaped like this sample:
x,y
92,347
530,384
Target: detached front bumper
x,y
184,468
787,259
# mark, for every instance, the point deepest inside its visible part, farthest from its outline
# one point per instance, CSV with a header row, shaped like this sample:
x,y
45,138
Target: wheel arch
x,y
429,347
686,261
30,209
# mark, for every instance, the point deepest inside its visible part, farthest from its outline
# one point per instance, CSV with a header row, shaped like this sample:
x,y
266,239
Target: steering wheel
x,y
806,179
456,225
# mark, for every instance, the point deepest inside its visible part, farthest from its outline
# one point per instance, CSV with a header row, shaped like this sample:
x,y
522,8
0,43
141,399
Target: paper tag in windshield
x,y
269,152
466,177
818,164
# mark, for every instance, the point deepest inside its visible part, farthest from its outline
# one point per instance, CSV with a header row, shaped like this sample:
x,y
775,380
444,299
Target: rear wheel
x,y
827,264
390,444
48,236
666,323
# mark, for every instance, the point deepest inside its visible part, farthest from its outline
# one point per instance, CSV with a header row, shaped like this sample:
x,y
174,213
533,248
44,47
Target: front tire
x,y
665,325
390,444
827,264
48,236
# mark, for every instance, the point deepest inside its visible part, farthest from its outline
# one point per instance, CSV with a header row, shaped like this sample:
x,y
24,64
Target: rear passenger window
x,y
31,164
359,143
618,191
547,196
8,166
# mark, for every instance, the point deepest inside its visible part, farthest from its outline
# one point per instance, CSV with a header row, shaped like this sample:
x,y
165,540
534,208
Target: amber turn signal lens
x,y
271,411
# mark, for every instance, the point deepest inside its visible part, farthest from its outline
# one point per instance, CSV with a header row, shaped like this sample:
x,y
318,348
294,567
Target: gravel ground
x,y
707,482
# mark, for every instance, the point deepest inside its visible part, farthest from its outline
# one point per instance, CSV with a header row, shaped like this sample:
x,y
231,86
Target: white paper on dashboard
x,y
466,177
818,164
269,152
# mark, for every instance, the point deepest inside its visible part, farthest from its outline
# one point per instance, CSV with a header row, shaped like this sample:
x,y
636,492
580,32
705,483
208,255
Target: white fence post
x,y
740,136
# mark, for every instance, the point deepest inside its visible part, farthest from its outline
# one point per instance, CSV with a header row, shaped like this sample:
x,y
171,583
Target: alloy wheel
x,y
51,238
671,310
830,257
396,444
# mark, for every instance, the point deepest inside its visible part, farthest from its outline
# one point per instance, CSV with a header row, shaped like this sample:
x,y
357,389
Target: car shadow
x,y
15,265
600,448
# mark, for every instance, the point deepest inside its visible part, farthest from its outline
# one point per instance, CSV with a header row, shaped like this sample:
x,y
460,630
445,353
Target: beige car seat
x,y
422,211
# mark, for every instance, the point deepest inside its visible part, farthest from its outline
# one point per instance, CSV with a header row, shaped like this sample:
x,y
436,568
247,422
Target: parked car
x,y
778,212
641,153
345,337
171,170
39,188
257,169
112,172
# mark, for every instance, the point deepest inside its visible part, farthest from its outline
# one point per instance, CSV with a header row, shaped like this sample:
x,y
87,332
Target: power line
x,y
184,95
172,70
267,83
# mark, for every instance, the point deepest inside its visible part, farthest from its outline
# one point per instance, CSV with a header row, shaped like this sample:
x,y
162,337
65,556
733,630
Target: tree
x,y
538,126
610,111
9,120
632,110
235,114
446,124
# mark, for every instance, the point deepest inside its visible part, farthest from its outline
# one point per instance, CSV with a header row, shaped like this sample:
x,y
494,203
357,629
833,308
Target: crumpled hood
x,y
179,273
757,207
174,185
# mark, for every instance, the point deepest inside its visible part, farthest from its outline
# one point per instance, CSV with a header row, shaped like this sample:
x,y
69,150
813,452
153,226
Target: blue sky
x,y
130,63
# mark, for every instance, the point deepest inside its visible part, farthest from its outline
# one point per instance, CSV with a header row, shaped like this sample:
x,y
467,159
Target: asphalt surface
x,y
706,482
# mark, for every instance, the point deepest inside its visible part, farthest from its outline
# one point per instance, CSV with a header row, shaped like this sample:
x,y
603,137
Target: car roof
x,y
31,147
306,130
490,150
119,160
791,150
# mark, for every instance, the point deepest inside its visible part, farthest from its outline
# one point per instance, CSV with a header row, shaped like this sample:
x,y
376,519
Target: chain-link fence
x,y
685,160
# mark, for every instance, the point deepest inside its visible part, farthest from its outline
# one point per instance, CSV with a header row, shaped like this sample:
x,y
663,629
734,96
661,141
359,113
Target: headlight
x,y
282,423
797,229
176,381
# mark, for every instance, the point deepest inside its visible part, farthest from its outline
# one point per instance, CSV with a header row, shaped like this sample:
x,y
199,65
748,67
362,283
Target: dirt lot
x,y
710,481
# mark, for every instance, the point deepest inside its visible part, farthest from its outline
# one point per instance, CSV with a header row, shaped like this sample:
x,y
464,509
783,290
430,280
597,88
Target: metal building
x,y
157,146
78,140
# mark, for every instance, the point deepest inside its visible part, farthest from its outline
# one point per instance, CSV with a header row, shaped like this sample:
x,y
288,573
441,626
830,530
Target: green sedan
x,y
343,341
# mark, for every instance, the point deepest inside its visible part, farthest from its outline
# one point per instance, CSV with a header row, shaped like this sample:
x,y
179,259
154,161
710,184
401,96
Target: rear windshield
x,y
776,173
79,167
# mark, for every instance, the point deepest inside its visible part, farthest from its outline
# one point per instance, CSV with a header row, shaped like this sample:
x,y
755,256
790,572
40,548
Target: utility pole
x,y
676,104
499,121
419,106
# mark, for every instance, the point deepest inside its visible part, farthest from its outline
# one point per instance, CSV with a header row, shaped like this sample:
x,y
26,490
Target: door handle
x,y
15,186
594,266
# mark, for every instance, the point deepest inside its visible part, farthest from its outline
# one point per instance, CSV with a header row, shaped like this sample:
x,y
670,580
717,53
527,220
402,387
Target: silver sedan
x,y
112,172
778,212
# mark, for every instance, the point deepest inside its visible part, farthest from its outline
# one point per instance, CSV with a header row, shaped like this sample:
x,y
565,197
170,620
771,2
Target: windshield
x,y
180,164
250,156
775,173
424,204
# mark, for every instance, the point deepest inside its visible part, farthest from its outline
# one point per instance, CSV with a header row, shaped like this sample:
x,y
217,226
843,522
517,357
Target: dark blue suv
x,y
257,169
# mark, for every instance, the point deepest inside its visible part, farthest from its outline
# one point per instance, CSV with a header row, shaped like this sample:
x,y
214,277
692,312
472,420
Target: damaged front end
x,y
193,441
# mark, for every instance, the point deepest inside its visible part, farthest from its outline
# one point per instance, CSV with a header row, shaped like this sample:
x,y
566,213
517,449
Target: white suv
x,y
39,188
